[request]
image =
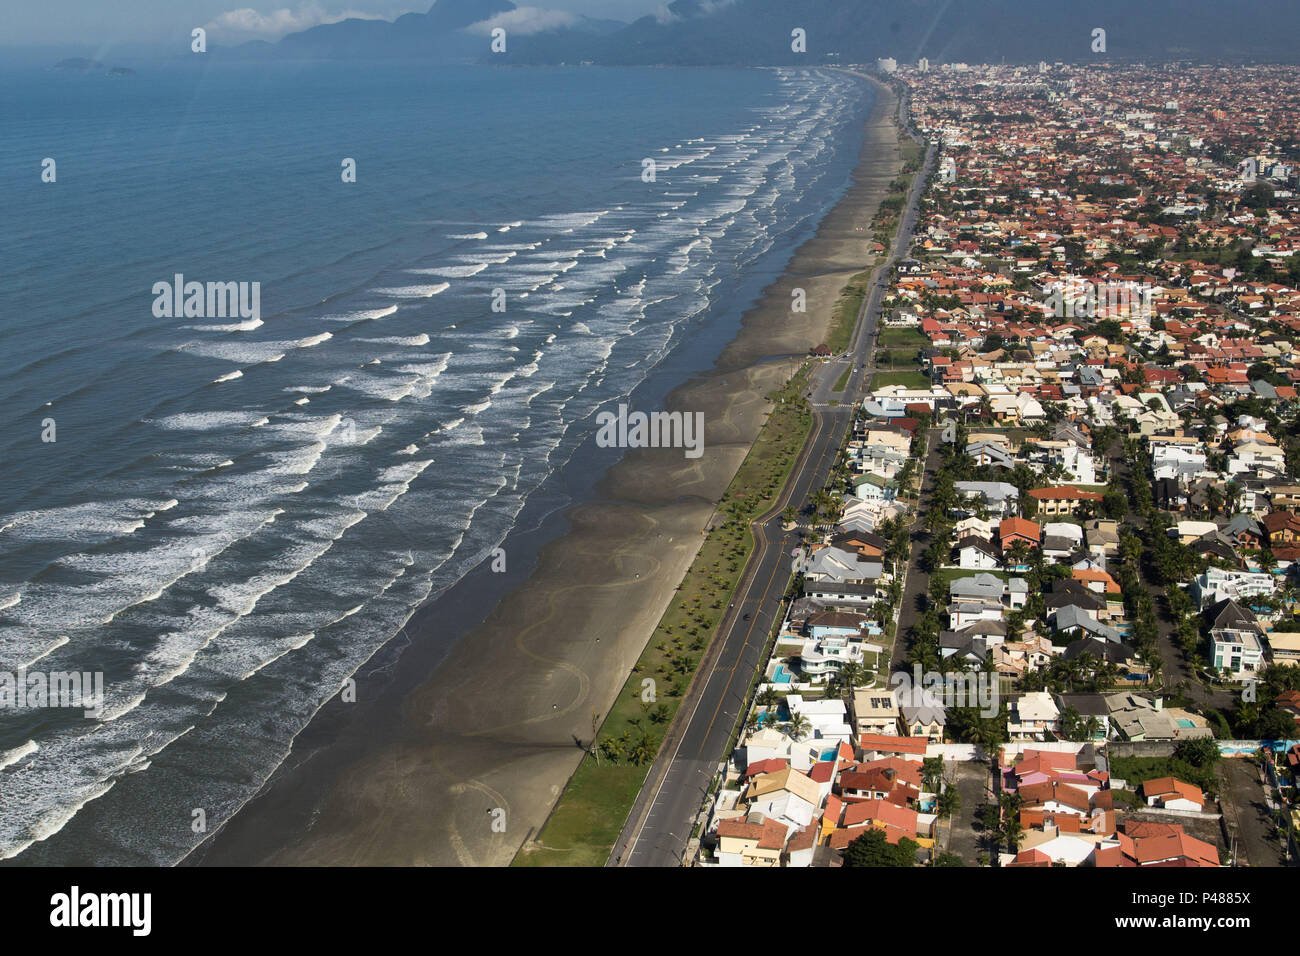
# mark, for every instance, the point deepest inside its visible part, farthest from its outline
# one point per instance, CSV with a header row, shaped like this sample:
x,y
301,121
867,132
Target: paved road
x,y
973,783
916,582
1246,813
658,829
1175,666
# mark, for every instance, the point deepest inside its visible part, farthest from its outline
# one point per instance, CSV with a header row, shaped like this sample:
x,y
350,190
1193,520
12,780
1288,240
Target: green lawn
x,y
901,338
843,380
844,317
586,822
1135,770
906,378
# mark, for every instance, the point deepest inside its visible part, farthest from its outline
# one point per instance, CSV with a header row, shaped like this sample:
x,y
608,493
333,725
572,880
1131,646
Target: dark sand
x,y
497,724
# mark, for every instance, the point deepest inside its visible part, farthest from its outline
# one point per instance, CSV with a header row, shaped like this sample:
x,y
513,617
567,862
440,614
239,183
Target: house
x,y
997,497
875,711
1244,531
1064,499
1216,585
1067,591
1282,528
976,553
836,565
826,624
1033,716
922,714
896,822
801,847
1103,536
967,611
991,454
1170,793
1114,652
1089,707
880,782
1235,639
877,746
1016,658
1284,647
1011,530
786,796
1236,652
989,587
754,841
1159,844
1139,718
1289,700
1098,581
1061,539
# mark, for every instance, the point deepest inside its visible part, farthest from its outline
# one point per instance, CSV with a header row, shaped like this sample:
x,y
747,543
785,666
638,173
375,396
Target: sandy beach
x,y
460,768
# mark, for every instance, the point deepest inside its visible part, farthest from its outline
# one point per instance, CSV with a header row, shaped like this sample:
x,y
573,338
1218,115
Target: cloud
x,y
248,24
703,8
523,21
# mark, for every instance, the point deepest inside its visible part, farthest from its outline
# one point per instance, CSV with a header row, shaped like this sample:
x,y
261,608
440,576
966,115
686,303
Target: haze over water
x,y
236,514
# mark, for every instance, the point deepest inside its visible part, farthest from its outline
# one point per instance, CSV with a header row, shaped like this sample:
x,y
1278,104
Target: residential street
x,y
658,829
1246,813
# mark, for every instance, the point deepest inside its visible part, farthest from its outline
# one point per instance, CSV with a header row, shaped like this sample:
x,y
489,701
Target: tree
x,y
872,849
644,750
1200,752
798,726
849,677
947,859
949,802
1276,724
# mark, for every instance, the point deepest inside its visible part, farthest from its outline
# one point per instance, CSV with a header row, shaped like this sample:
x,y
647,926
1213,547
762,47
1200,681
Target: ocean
x,y
237,511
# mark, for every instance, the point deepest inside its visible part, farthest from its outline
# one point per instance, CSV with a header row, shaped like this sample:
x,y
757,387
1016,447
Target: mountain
x,y
758,32
439,34
742,32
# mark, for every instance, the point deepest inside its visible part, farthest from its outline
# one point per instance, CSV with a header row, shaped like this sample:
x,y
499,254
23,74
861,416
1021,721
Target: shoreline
x,y
497,725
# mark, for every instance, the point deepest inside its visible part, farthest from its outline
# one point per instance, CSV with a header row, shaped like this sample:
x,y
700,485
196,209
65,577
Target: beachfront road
x,y
659,827
658,830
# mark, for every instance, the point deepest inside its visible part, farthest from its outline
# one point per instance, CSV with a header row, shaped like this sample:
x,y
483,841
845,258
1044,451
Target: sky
x,y
108,24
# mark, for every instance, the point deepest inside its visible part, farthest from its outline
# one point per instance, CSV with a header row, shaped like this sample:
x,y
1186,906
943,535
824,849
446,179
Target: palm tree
x,y
849,676
644,750
798,725
931,773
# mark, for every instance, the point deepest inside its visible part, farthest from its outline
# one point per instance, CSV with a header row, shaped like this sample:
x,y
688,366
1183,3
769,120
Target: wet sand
x,y
422,777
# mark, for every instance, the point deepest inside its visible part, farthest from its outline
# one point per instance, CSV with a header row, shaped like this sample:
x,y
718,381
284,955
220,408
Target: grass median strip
x,y
844,317
589,815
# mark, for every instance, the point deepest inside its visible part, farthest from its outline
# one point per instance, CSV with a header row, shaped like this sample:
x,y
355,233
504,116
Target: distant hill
x,y
758,32
439,34
718,32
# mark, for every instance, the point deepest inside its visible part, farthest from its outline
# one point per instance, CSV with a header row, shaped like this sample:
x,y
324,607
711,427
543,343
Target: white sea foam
x,y
415,291
245,326
362,316
10,757
407,340
451,272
